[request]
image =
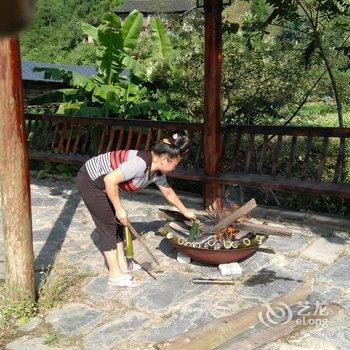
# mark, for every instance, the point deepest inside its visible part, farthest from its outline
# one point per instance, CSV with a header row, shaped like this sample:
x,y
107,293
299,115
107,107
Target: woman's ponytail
x,y
176,145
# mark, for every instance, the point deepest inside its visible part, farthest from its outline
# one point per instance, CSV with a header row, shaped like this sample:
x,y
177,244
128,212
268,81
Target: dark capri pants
x,y
100,208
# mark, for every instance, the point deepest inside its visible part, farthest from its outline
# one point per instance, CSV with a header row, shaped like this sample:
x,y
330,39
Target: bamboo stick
x,y
212,281
134,232
174,233
179,228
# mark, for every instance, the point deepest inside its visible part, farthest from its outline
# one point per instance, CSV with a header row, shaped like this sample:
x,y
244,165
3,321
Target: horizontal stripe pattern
x,y
99,165
136,171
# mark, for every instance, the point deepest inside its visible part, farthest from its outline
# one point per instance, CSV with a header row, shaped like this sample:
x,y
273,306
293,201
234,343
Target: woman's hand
x,y
189,214
122,216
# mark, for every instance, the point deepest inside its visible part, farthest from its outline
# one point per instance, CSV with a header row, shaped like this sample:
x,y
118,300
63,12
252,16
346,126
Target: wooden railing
x,y
74,140
287,158
270,157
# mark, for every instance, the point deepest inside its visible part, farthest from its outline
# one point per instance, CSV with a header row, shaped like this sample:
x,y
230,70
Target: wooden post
x,y
15,15
212,99
15,193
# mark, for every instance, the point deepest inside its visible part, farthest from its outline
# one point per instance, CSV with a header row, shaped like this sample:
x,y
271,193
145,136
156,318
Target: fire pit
x,y
216,257
233,237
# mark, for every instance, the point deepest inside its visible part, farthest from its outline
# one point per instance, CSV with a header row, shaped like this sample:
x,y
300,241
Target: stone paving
x,y
167,303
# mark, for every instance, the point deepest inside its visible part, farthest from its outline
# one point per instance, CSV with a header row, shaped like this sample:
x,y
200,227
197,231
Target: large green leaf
x,y
160,37
133,65
90,30
112,42
107,93
88,84
69,107
131,29
112,20
89,112
54,73
54,96
146,107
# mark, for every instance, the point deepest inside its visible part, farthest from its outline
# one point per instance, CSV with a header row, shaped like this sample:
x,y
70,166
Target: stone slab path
x,y
168,304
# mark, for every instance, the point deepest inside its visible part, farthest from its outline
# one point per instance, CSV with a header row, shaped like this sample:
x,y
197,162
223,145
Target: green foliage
x,y
15,310
121,86
269,69
53,338
162,45
65,171
179,81
256,83
321,28
56,35
320,114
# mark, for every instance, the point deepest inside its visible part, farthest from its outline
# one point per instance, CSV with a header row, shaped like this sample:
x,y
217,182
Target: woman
x,y
99,181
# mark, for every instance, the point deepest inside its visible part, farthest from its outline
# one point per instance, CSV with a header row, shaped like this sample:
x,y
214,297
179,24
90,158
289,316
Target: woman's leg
x,y
115,272
121,256
102,213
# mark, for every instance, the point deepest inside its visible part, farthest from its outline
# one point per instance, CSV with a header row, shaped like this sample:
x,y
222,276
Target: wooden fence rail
x,y
287,158
269,157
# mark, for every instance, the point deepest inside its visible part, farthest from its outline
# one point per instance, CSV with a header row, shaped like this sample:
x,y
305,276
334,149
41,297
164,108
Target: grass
x,y
321,114
15,310
12,312
60,284
167,316
53,338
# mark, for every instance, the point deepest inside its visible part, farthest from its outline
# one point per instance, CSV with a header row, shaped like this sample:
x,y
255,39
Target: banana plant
x,y
119,87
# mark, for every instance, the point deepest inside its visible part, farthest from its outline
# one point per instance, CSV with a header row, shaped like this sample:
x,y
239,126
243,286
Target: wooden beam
x,y
264,229
221,330
281,183
135,123
278,331
212,99
229,219
15,194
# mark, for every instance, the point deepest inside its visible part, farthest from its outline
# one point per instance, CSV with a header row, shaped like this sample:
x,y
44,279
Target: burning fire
x,y
217,212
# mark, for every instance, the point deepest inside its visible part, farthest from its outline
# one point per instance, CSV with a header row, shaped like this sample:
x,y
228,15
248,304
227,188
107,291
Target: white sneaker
x,y
122,282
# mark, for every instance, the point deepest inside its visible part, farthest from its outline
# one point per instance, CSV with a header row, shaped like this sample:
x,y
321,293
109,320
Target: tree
x,y
56,35
318,21
120,87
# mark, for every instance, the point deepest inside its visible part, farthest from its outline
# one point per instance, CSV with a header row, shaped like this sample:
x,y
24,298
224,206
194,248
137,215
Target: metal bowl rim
x,y
214,250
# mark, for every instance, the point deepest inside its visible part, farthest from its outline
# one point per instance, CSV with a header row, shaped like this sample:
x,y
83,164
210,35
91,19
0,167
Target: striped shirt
x,y
134,166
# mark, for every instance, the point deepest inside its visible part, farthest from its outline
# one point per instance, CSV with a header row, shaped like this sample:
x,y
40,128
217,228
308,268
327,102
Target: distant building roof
x,y
156,6
29,74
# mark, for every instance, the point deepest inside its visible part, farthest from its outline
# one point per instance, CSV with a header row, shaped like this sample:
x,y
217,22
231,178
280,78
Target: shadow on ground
x,y
57,235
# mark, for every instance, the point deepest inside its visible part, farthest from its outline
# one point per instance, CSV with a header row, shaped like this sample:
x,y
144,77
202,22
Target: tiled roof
x,y
29,74
156,6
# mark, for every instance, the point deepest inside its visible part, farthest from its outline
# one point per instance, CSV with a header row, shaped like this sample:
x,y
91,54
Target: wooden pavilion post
x,y
15,190
212,98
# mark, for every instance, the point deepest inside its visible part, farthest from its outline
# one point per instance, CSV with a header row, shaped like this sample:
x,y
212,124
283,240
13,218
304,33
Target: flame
x,y
229,232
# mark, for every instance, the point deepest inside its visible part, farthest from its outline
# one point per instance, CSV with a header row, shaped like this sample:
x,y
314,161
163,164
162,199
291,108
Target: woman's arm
x,y
112,180
170,195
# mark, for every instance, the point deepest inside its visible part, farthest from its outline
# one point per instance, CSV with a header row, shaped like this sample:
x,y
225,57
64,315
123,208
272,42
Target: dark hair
x,y
176,145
